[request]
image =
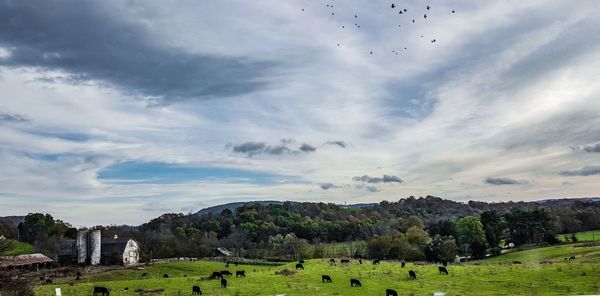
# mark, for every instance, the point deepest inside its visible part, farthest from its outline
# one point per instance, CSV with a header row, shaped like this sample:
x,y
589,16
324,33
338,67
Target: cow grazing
x,y
355,283
443,270
376,261
325,279
166,276
345,261
332,261
403,264
226,272
216,274
299,266
572,258
223,283
359,261
196,290
240,273
102,291
144,274
516,262
412,275
390,292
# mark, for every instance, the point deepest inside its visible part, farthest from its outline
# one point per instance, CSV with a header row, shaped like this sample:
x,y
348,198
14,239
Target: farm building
x,y
90,248
29,261
221,252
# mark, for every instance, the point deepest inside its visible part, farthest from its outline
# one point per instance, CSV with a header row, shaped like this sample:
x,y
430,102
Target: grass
x,y
17,248
585,236
543,272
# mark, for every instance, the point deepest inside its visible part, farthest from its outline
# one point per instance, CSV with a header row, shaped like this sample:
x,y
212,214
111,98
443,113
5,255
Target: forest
x,y
424,228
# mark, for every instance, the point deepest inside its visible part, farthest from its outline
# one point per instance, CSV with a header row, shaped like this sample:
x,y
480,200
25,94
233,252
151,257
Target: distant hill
x,y
234,206
13,220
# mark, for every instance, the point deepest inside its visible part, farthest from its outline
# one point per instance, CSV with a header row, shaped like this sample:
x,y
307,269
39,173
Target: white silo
x,y
95,244
82,245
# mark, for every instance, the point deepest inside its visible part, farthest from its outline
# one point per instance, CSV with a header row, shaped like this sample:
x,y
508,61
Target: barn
x,y
28,261
90,249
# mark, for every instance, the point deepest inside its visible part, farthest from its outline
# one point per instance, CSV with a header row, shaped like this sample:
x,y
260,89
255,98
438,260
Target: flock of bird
x,y
401,11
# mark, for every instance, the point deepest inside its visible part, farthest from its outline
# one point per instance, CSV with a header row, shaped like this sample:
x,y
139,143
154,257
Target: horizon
x,y
115,113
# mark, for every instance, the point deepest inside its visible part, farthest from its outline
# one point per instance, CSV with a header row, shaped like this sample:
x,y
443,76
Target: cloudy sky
x,y
117,111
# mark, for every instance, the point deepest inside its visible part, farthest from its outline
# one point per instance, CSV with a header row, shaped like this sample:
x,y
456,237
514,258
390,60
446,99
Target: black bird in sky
x,y
355,16
453,11
371,52
401,12
428,7
404,9
425,16
413,21
393,5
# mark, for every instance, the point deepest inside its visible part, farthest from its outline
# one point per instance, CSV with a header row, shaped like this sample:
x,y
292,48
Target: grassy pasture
x,y
585,236
543,272
17,248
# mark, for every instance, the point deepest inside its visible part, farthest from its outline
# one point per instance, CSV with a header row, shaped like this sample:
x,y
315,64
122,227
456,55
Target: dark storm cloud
x,y
327,186
307,148
592,148
94,43
502,181
384,179
250,147
584,171
338,143
255,148
13,117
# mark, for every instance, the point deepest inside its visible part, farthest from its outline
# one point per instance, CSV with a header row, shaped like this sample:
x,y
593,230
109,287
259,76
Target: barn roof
x,y
21,260
68,248
112,246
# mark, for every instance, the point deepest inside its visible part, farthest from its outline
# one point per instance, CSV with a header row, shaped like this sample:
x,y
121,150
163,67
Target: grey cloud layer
x,y
384,179
503,181
584,171
13,117
592,148
336,143
256,148
93,43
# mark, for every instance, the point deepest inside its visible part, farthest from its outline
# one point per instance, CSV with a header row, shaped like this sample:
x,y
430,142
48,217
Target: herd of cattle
x,y
196,290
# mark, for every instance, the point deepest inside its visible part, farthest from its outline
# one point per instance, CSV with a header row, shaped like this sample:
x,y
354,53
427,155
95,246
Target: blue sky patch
x,y
135,172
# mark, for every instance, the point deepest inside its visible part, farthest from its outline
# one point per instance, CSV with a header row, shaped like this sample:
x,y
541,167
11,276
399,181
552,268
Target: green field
x,y
543,272
585,236
17,248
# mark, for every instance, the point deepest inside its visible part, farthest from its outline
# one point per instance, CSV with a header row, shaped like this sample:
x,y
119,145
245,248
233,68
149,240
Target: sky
x,y
114,112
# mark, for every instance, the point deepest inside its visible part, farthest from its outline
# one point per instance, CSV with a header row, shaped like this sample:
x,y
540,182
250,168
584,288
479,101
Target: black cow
x,y
216,274
226,272
196,290
376,261
572,258
390,292
166,276
78,275
516,262
301,261
412,275
240,273
345,261
48,281
144,274
102,291
403,264
223,283
325,279
355,283
299,266
332,261
443,270
360,261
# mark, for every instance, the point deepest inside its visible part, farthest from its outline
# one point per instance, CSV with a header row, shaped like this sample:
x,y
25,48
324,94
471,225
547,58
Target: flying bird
x,y
453,11
413,21
404,9
425,16
393,5
428,7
